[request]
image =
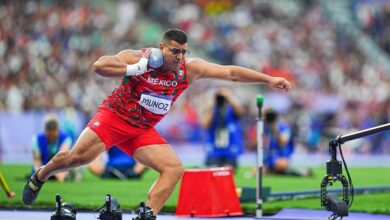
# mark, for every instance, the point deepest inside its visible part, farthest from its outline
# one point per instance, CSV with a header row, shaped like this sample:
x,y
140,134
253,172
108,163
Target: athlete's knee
x,y
175,171
180,170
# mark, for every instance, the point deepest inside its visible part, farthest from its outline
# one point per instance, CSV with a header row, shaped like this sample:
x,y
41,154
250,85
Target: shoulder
x,y
39,136
193,63
198,68
195,67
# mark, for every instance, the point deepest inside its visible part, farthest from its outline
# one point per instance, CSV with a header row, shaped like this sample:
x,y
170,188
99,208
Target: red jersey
x,y
144,100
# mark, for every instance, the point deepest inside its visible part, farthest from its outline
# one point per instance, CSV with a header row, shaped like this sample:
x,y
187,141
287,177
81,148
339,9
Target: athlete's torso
x,y
145,99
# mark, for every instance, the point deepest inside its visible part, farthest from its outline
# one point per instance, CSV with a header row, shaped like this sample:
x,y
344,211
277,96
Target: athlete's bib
x,y
156,103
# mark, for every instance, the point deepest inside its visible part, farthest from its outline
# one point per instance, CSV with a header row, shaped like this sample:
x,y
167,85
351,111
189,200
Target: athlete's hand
x,y
279,83
146,52
142,65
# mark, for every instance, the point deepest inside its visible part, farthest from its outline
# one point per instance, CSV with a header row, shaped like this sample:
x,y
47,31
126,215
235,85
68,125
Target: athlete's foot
x,y
32,188
144,213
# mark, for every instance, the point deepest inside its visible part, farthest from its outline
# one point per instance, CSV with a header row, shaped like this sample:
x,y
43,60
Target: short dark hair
x,y
176,35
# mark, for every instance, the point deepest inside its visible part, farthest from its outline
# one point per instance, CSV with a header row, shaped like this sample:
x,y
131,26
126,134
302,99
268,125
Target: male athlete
x,y
127,117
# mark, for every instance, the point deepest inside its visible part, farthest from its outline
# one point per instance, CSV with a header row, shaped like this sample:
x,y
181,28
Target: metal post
x,y
359,134
259,184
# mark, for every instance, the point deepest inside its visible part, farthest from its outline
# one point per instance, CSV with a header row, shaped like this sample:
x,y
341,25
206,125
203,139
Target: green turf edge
x,y
373,203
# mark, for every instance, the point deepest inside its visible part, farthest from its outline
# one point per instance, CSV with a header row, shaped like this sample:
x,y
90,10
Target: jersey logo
x,y
156,103
96,124
162,82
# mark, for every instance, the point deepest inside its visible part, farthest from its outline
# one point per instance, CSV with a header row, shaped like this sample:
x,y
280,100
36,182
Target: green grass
x,y
89,194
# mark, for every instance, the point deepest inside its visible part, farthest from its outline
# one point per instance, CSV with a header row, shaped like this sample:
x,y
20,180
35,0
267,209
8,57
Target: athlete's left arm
x,y
200,69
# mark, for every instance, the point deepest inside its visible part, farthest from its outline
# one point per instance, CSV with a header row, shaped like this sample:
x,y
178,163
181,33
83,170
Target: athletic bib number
x,y
156,103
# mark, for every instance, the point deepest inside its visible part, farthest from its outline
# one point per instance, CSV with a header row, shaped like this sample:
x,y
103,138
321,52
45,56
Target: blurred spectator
x,y
224,141
374,18
118,166
46,49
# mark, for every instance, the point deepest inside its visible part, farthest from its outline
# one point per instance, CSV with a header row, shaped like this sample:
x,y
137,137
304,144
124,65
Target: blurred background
x,y
336,54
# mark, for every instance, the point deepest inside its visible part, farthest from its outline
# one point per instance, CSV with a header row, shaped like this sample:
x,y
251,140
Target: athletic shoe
x,y
31,189
144,213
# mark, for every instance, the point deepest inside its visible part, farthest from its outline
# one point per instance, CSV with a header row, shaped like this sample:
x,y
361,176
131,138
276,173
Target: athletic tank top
x,y
144,100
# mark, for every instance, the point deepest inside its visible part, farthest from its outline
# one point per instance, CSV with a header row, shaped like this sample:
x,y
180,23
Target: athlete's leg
x,y
164,160
86,149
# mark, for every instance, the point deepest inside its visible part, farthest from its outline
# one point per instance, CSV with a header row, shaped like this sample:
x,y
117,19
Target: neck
x,y
166,69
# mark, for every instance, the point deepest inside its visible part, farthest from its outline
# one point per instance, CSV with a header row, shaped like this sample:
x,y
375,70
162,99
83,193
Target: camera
x,y
270,116
65,211
110,210
220,100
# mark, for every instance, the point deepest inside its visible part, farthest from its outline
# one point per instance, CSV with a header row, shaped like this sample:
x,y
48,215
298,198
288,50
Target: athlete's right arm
x,y
118,65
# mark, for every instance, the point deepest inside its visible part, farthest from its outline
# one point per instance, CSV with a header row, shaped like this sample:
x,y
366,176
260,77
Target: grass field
x,y
90,193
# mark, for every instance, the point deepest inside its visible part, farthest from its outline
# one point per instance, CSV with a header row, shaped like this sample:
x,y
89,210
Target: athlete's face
x,y
174,53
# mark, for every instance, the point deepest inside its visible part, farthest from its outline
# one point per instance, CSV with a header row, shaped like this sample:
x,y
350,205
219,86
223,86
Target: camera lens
x,y
220,99
69,207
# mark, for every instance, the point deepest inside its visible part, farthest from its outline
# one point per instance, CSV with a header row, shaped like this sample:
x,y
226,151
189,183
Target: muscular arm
x,y
114,66
199,68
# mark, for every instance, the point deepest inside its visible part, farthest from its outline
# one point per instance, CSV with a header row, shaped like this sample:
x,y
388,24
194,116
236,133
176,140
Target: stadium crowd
x,y
374,18
47,48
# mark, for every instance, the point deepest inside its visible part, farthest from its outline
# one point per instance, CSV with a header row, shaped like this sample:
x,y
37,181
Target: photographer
x,y
279,146
224,141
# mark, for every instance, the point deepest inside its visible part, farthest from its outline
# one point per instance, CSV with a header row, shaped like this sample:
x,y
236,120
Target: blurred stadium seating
x,y
47,48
